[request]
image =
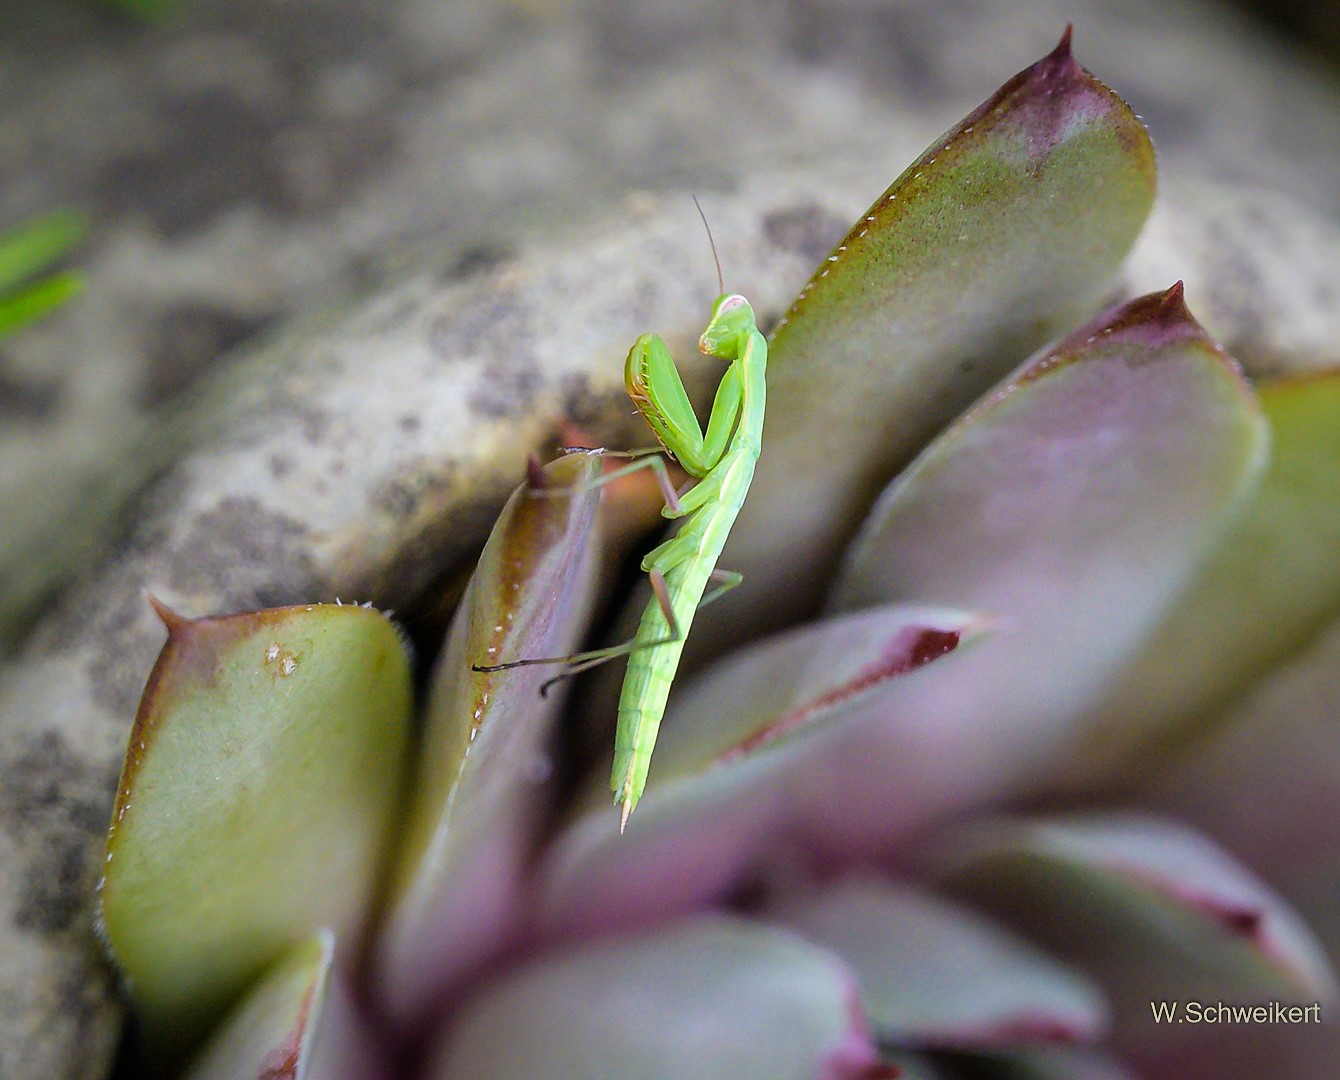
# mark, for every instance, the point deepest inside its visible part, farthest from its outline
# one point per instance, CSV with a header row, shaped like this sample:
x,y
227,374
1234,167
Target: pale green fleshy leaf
x,y
485,755
296,1023
255,805
1271,583
712,998
1154,910
996,239
937,976
269,1034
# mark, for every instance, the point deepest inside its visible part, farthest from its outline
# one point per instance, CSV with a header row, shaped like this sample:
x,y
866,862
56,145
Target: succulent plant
x,y
995,769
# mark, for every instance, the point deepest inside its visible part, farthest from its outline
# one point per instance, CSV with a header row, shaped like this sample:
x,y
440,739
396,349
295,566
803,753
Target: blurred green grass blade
x,y
30,304
149,10
39,244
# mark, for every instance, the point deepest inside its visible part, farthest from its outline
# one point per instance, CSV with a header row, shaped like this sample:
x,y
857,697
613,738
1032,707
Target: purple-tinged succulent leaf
x,y
255,804
1155,910
996,239
727,758
713,998
1265,783
1069,505
936,976
296,1023
801,681
485,751
1271,583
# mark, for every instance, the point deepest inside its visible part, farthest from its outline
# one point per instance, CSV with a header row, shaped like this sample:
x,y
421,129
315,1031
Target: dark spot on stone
x,y
579,403
23,398
286,155
808,230
241,549
409,423
338,467
308,37
58,796
632,38
476,260
314,422
124,646
35,777
504,391
447,544
218,151
56,887
498,323
607,418
397,498
187,339
400,496
279,466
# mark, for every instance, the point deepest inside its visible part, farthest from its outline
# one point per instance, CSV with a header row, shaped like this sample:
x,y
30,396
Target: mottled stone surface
x,y
242,166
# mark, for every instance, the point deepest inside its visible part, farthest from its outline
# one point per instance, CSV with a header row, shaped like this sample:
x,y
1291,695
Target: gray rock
x,y
257,158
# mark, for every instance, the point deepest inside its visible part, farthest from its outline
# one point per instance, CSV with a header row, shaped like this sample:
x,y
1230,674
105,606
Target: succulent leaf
x,y
1277,754
485,749
1271,583
1155,910
714,998
935,976
255,806
730,753
993,241
1070,505
296,1023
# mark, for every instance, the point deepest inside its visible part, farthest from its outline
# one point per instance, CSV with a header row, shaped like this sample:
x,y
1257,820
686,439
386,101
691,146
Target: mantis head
x,y
731,318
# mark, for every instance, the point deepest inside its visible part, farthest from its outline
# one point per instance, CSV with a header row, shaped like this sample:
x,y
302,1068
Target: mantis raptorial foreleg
x,y
648,458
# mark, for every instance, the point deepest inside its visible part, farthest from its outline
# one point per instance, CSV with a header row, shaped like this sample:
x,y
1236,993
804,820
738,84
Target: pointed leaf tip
x,y
536,480
1060,58
1156,320
170,619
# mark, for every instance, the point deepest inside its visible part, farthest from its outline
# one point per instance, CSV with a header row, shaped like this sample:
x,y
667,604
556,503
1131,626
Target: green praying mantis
x,y
722,461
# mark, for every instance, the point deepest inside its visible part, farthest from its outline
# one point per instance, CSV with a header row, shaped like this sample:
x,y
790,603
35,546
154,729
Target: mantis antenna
x,y
721,282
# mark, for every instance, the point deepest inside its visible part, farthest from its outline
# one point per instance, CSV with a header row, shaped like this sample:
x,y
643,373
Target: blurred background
x,y
236,160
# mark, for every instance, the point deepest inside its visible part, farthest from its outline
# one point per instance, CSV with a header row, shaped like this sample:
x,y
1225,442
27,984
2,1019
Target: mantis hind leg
x,y
576,663
724,580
